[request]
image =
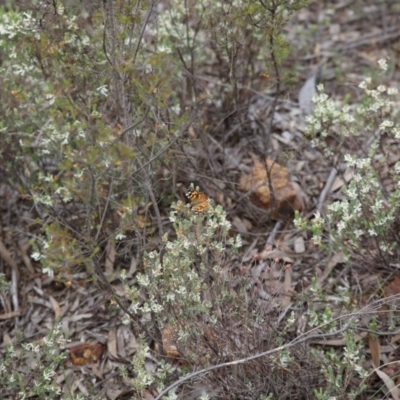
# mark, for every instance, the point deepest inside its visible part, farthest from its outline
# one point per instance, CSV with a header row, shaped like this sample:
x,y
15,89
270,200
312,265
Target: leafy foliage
x,y
370,207
95,119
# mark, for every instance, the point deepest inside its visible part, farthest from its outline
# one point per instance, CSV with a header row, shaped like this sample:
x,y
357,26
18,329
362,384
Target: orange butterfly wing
x,y
198,200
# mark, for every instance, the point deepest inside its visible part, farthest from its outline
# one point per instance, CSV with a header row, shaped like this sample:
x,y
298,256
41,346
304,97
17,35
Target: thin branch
x,y
104,33
142,32
294,342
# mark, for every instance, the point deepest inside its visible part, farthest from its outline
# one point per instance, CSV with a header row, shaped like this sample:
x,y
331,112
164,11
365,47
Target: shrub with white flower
x,y
360,137
174,277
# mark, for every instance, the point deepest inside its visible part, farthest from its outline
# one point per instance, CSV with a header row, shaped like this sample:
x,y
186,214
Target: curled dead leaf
x,y
86,353
264,177
169,346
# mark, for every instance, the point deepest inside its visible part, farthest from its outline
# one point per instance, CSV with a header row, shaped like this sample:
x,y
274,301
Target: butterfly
x,y
198,200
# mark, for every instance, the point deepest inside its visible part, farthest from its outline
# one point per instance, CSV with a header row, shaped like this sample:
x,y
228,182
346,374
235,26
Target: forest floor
x,y
338,46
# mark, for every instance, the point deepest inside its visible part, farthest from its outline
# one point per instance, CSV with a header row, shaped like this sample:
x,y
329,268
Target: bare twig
x,y
146,21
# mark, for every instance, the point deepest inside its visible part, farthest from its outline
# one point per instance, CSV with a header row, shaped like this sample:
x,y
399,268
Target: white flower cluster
x,y
15,23
364,211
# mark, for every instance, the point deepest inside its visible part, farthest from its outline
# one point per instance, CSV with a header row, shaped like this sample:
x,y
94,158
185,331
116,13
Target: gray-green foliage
x,y
29,369
183,285
341,370
106,105
176,280
361,138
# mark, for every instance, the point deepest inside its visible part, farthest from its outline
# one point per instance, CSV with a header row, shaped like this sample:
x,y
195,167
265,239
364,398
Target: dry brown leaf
x,y
148,396
259,181
393,288
110,257
112,343
169,347
394,391
299,245
287,287
341,180
336,259
169,338
132,268
6,338
287,257
120,343
24,246
97,371
11,314
394,339
86,353
81,386
116,393
124,340
132,345
374,347
387,349
78,317
56,307
306,95
192,132
6,255
239,225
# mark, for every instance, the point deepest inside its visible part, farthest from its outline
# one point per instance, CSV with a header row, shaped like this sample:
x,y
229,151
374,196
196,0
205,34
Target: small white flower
x,y
36,256
363,85
143,280
383,64
102,90
385,124
48,374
